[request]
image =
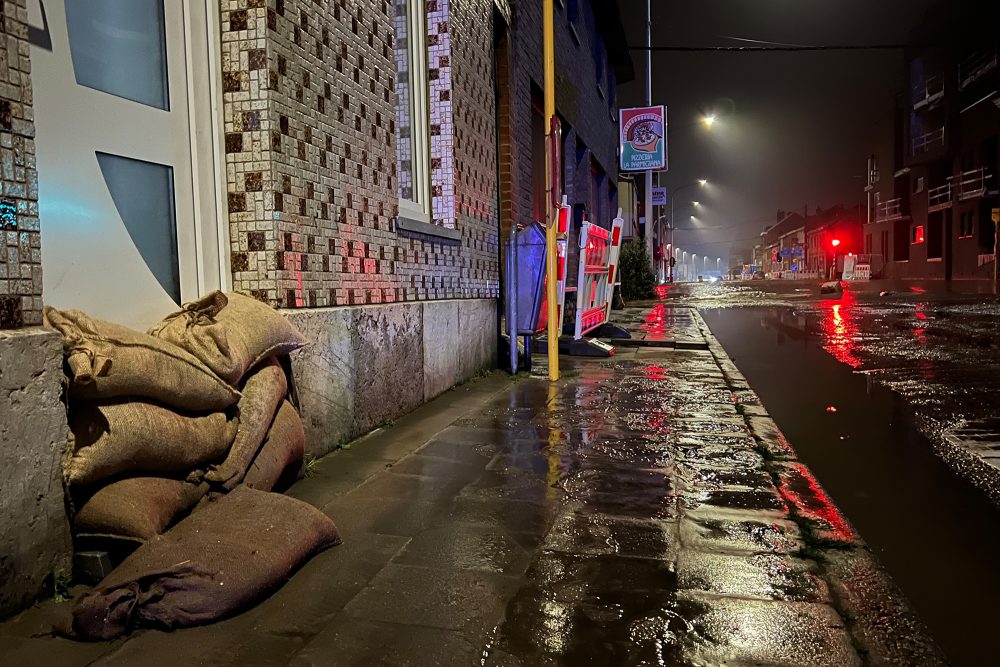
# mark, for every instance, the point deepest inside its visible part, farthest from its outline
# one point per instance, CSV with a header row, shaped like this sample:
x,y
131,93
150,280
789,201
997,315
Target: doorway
x,y
126,103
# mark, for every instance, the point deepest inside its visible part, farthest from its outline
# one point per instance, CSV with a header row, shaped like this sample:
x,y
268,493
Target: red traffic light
x,y
835,242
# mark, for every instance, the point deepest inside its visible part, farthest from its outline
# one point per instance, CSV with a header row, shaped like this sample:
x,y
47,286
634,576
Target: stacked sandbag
x,y
230,333
158,419
106,360
218,561
240,339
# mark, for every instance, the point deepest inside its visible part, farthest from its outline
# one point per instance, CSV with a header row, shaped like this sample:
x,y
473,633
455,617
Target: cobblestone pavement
x,y
643,510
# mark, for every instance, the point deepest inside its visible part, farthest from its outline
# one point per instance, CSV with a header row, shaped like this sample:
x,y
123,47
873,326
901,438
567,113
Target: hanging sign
x,y
643,139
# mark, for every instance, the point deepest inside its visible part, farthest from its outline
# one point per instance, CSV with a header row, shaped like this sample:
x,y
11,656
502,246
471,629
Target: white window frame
x,y
419,209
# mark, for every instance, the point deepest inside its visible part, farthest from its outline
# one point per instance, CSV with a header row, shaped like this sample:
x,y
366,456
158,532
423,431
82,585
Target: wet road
x,y
824,369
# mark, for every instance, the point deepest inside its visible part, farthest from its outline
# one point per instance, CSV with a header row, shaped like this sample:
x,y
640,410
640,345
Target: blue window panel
x,y
143,193
119,47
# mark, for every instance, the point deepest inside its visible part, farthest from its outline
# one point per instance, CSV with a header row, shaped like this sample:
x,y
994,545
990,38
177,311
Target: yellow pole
x,y
549,55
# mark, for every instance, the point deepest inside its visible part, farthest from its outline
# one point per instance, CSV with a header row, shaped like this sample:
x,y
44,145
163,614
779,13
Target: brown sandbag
x,y
263,392
137,507
220,560
281,456
106,360
231,333
134,437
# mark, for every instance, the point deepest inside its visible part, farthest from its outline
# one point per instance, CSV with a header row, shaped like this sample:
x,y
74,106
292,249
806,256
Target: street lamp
x,y
709,120
701,182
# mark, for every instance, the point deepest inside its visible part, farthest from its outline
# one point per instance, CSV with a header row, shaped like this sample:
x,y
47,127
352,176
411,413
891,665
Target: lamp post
x,y
701,182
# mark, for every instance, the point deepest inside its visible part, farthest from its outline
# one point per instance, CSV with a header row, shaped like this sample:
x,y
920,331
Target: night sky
x,y
794,129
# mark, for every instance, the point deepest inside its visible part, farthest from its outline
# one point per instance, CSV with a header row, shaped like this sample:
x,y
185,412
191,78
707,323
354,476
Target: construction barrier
x,y
598,269
563,215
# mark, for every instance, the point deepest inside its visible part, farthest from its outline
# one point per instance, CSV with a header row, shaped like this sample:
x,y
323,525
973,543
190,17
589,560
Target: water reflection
x,y
840,329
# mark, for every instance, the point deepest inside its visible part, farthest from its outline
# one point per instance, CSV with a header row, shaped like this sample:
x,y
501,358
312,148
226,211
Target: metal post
x,y
549,48
512,299
649,102
995,215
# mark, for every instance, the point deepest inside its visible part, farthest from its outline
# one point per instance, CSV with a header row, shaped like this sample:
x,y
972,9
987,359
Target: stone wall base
x,y
35,544
368,365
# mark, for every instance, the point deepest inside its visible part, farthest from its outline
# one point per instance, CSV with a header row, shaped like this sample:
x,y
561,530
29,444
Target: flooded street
x,y
862,386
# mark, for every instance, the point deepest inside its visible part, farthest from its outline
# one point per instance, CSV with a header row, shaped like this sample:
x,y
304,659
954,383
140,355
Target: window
x,y
967,225
143,193
120,48
412,111
918,185
918,234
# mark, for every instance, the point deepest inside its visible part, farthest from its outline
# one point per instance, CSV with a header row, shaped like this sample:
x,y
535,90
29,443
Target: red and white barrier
x,y
599,249
563,215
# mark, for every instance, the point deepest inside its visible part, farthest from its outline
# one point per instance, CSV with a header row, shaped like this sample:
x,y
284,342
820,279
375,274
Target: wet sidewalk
x,y
642,510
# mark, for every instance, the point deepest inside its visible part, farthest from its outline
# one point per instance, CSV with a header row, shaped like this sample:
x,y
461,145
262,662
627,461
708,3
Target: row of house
x,y
808,245
354,163
932,183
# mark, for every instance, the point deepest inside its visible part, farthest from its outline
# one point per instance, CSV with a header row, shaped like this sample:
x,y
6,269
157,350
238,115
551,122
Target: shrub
x,y
636,271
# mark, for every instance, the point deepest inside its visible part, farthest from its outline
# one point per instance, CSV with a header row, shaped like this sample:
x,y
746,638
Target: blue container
x,y
529,281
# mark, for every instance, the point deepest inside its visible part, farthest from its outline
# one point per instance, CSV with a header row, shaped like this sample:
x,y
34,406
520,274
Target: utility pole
x,y
995,216
552,292
649,102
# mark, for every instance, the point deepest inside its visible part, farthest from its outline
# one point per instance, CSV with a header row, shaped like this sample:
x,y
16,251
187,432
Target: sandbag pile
x,y
191,416
218,561
162,419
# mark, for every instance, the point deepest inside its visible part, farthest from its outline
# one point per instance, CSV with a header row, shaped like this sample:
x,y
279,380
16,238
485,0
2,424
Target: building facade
x,y
933,198
353,163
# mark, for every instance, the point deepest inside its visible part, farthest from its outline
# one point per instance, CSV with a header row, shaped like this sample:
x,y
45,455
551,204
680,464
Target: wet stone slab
x,y
594,534
762,576
601,610
754,632
708,529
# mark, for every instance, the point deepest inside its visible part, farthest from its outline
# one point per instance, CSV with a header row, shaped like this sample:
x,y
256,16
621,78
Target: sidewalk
x,y
643,510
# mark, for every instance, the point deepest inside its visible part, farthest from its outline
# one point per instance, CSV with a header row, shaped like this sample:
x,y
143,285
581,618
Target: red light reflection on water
x,y
839,329
655,325
662,291
803,491
653,372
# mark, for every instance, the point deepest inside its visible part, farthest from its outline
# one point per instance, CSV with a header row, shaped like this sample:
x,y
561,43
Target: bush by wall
x,y
636,271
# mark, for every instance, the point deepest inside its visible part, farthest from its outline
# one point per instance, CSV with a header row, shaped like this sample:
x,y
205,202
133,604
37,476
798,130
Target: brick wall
x,y
20,252
590,120
310,117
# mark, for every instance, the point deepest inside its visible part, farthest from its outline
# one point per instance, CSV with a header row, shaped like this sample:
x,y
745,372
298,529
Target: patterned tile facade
x,y
311,150
20,251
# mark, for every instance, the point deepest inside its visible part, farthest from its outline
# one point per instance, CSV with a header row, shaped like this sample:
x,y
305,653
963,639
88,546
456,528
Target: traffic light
x,y
673,262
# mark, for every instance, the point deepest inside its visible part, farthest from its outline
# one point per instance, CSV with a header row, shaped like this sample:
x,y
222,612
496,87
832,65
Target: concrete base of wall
x,y
35,543
369,365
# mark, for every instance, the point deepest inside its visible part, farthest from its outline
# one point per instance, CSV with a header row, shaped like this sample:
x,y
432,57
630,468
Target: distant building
x,y
932,195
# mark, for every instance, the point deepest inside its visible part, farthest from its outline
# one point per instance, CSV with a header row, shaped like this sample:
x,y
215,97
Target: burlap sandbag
x,y
231,333
109,361
137,507
263,392
134,437
218,561
281,456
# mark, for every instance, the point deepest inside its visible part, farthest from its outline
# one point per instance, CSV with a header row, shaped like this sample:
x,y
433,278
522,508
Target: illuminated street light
x,y
696,203
702,182
709,120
